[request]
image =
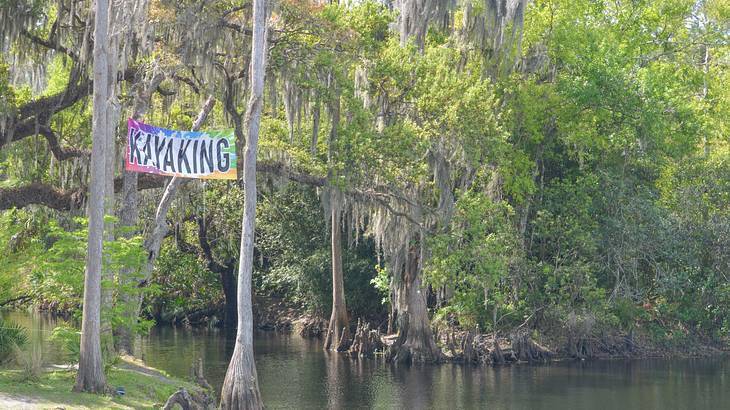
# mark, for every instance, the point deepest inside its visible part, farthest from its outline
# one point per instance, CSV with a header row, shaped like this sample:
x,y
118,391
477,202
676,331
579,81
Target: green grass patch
x,y
53,390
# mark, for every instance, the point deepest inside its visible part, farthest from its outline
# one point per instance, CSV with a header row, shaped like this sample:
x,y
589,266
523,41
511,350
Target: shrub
x,y
12,337
70,340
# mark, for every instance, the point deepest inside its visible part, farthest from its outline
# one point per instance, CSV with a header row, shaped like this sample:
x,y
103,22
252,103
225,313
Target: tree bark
x,y
240,387
338,332
415,341
413,21
90,377
33,117
181,398
112,116
42,194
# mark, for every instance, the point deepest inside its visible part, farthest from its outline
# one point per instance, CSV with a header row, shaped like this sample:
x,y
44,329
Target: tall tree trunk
x,y
240,387
90,377
273,94
112,110
107,340
338,332
415,341
128,218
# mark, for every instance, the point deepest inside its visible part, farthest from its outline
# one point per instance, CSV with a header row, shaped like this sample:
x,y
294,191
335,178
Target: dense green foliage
x,y
589,182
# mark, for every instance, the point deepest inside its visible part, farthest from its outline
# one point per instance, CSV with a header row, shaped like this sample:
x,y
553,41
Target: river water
x,y
294,373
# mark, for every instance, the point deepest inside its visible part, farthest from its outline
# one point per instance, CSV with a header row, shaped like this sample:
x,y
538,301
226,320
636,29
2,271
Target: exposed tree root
x,y
415,344
366,342
310,326
525,349
189,401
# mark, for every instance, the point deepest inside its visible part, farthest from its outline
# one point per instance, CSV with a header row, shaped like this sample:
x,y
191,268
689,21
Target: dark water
x,y
294,373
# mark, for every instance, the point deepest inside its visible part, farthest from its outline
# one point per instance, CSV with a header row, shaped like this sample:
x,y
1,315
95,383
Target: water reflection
x,y
296,374
40,327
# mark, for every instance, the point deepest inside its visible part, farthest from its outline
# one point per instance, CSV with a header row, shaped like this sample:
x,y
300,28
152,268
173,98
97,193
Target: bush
x,y
70,340
12,337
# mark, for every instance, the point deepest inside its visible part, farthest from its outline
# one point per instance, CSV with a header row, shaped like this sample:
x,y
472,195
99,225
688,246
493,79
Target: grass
x,y
53,390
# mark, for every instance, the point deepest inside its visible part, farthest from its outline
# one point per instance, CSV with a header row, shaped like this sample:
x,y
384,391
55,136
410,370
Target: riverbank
x,y
579,338
315,378
144,388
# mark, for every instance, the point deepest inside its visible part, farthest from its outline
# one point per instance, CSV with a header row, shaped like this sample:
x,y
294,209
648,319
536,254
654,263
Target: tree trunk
x,y
228,281
112,110
290,105
415,341
181,398
240,386
315,124
338,331
272,95
225,271
413,21
90,377
107,340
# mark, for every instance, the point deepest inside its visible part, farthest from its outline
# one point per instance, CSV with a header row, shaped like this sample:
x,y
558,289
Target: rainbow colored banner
x,y
189,154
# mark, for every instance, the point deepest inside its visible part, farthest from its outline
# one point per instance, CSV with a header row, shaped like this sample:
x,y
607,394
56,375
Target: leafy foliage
x,y
12,337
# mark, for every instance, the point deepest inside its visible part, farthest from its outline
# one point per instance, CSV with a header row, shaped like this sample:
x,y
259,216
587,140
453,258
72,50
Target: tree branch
x,y
41,194
282,170
52,197
46,106
207,252
63,200
59,152
187,81
50,44
19,299
40,111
